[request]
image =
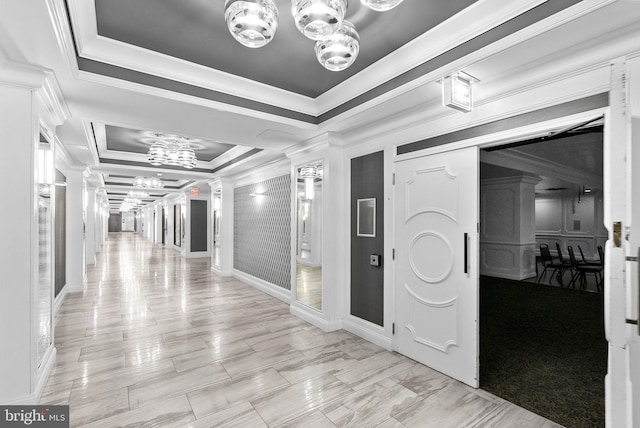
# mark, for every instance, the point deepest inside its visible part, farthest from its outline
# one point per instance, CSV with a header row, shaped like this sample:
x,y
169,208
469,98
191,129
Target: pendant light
x,y
253,23
340,50
381,5
318,19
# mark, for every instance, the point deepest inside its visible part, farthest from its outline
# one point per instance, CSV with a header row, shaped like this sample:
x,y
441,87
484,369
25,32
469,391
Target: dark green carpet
x,y
543,348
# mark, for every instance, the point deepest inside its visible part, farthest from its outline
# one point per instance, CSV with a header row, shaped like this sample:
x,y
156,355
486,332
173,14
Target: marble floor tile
x,y
163,350
104,406
450,407
219,396
304,397
259,360
157,340
369,406
315,419
214,353
169,413
241,415
372,369
155,389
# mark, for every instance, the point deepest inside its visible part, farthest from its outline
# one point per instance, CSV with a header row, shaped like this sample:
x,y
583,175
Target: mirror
x,y
217,203
46,188
309,178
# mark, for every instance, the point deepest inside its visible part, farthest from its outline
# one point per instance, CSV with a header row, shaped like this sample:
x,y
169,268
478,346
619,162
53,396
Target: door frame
x,y
534,130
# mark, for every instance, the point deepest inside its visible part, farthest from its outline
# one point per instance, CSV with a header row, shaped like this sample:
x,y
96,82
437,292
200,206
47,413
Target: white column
x,y
508,227
90,225
226,227
16,164
75,242
30,104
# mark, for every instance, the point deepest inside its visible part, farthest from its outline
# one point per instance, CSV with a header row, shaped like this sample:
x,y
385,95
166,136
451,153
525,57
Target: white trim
x,y
267,287
314,317
59,300
267,171
498,138
368,331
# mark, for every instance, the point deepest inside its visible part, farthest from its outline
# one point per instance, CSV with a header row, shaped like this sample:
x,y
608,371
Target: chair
x,y
549,263
588,263
575,268
581,271
565,263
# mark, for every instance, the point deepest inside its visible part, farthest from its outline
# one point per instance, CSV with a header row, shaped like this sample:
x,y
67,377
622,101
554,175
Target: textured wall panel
x,y
262,230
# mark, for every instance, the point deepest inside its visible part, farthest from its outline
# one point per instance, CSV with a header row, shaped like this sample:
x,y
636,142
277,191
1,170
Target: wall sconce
x,y
457,91
257,194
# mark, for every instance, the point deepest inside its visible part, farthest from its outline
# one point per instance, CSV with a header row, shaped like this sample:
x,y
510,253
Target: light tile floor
x,y
156,340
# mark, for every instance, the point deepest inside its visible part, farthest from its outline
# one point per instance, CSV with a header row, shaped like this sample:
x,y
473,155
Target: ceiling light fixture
x,y
318,19
138,194
172,152
457,91
253,23
340,50
381,5
140,182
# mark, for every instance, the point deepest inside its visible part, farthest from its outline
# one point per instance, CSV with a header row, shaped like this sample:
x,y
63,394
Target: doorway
x,y
415,257
542,339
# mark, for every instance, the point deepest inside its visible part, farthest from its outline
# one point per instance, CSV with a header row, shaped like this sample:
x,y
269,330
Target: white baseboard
x,y
57,303
368,331
314,317
267,287
197,254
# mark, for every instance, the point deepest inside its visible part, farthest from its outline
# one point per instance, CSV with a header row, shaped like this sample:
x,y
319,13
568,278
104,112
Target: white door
x,y
436,293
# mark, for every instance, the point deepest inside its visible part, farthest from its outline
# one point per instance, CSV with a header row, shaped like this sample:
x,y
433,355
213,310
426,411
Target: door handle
x,y
466,253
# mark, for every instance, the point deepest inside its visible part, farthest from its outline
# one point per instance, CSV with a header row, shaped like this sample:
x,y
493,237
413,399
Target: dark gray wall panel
x,y
60,233
115,222
198,225
262,230
367,282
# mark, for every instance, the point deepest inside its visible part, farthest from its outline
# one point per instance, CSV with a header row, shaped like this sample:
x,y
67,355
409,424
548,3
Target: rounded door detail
x,y
431,257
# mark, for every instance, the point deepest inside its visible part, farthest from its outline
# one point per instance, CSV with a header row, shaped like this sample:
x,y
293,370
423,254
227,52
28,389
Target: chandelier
x,y
253,23
168,150
140,182
137,194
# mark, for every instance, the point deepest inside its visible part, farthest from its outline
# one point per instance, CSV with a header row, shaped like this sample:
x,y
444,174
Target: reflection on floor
x,y
309,285
157,340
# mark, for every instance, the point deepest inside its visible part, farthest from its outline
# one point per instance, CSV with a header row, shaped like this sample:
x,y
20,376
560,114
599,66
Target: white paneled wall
x,y
569,220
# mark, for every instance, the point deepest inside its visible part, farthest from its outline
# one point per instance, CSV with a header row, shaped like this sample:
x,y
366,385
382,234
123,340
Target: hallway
x,y
159,340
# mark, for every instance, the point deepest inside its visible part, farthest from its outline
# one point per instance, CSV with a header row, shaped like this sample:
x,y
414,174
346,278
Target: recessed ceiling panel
x,y
138,141
195,31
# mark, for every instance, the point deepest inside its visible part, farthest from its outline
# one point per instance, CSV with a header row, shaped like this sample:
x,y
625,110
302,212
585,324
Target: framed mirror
x,y
309,184
44,297
217,205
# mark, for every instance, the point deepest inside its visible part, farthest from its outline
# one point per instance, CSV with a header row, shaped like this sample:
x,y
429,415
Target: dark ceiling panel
x,y
195,31
137,141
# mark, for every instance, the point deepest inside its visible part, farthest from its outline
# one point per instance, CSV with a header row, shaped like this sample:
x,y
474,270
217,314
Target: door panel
x,y
436,215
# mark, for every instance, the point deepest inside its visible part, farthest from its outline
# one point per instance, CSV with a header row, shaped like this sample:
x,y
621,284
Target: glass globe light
x,y
318,19
381,5
138,182
253,23
187,157
158,153
340,50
